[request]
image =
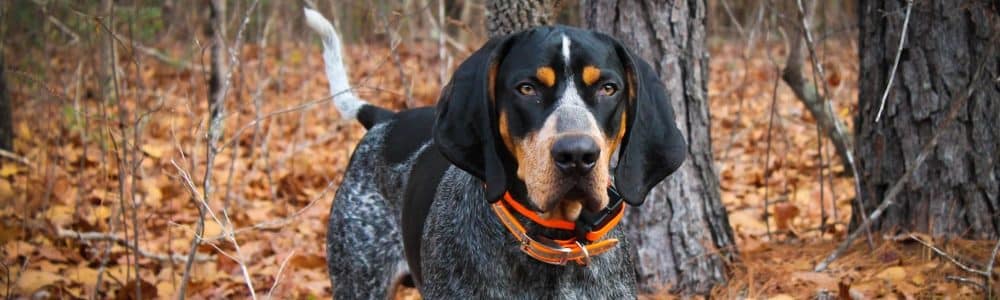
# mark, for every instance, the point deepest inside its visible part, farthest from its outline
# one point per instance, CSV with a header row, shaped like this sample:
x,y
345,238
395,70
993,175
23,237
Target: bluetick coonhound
x,y
512,185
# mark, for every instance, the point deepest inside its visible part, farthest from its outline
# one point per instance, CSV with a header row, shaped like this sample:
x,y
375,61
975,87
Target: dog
x,y
512,185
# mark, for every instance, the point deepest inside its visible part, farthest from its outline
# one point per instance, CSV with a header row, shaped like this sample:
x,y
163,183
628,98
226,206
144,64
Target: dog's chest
x,y
466,252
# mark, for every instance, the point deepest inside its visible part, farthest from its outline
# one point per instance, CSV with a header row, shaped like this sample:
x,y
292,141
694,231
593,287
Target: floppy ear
x,y
653,147
465,130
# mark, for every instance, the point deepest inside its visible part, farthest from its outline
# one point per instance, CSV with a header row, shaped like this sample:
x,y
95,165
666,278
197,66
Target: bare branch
x,y
967,281
16,158
949,257
819,105
102,236
989,270
277,277
895,63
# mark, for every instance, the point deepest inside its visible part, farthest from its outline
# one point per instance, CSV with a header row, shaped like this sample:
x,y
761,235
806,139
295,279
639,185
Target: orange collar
x,y
558,252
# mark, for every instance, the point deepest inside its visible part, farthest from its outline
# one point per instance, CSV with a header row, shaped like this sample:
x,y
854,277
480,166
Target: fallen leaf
x,y
781,297
33,280
8,169
128,291
6,191
212,229
81,274
784,213
892,274
154,150
17,248
24,131
60,215
308,261
822,280
152,192
51,253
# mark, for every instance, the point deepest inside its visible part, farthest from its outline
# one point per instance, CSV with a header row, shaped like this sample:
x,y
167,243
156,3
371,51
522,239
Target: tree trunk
x,y
504,17
6,115
955,191
682,232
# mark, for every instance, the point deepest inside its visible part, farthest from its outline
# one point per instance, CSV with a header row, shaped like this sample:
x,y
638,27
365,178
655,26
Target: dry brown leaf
x,y
892,274
822,280
60,215
212,229
6,191
32,280
9,169
784,213
781,297
81,274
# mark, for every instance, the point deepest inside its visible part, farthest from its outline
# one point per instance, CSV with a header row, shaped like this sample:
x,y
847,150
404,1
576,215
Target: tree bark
x,y
504,17
682,232
6,114
955,191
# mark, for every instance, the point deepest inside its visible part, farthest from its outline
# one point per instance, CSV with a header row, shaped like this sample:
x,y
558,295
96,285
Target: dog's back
x,y
364,245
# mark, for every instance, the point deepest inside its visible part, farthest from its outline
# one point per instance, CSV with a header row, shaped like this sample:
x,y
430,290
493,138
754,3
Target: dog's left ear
x,y
465,129
653,147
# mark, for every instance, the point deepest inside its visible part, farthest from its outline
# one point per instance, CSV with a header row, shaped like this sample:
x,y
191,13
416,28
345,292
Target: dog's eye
x,y
608,89
526,89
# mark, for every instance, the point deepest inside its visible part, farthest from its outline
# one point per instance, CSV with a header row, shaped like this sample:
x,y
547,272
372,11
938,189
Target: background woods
x,y
151,149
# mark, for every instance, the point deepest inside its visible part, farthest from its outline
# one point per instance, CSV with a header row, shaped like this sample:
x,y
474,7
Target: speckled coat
x,y
466,252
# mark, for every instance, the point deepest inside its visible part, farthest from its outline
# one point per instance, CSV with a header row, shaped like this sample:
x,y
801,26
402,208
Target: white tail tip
x,y
340,87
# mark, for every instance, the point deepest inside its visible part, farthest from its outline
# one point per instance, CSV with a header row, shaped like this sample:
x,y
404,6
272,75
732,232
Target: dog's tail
x,y
348,104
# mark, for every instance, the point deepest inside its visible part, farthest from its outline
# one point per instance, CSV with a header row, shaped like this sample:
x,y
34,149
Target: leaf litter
x,y
287,166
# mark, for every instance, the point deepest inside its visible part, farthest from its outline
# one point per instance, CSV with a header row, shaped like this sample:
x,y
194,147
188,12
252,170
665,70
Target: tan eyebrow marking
x,y
546,75
591,74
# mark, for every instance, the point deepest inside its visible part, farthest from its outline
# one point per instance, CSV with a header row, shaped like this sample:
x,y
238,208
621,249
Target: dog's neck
x,y
480,252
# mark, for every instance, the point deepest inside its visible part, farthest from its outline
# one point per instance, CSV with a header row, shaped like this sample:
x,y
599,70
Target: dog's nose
x,y
575,155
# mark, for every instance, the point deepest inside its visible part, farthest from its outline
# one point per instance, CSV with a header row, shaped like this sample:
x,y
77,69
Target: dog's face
x,y
560,99
541,113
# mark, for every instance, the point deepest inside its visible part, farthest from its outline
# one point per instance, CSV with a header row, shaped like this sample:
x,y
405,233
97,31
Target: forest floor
x,y
274,178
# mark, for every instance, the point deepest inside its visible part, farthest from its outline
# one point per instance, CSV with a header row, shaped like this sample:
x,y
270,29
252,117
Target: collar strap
x,y
589,228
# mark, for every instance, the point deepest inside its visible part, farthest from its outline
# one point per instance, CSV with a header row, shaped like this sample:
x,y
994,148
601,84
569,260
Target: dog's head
x,y
542,113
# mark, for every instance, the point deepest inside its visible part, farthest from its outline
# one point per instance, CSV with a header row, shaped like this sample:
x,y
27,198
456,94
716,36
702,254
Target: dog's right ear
x,y
465,130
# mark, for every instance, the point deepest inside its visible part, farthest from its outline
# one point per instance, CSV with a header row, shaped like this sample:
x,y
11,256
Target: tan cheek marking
x,y
507,139
620,135
546,75
631,85
591,74
536,170
492,77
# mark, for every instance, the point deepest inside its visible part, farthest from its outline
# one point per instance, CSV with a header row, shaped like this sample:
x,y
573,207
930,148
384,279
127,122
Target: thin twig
x,y
989,270
819,106
277,277
275,224
394,53
967,281
767,156
102,236
949,257
16,158
163,57
899,52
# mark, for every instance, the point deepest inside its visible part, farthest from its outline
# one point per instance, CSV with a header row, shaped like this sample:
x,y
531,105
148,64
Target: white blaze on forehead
x,y
570,108
571,112
565,48
570,95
